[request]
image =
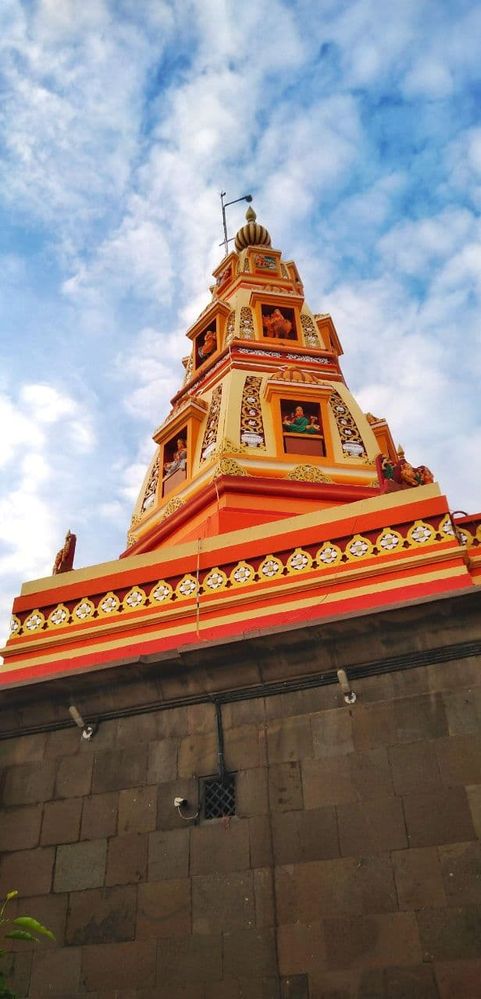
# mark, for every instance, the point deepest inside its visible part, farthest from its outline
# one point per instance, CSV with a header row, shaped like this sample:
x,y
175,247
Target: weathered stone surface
x,y
51,910
169,854
102,915
20,827
285,787
223,903
250,954
414,766
162,761
260,839
56,971
251,792
164,909
80,865
198,755
463,711
399,720
332,733
118,769
74,776
439,817
119,966
309,892
137,810
458,979
418,878
244,748
127,859
217,847
197,958
136,728
61,821
167,814
461,870
372,826
295,987
29,783
372,941
450,934
305,835
289,739
264,897
26,749
30,871
99,816
474,800
459,759
301,948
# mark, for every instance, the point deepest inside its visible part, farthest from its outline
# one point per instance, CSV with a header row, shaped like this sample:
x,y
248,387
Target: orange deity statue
x,y
64,558
276,325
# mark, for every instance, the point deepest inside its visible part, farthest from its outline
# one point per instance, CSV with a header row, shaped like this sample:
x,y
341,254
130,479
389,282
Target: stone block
x,y
221,903
244,748
195,959
415,767
264,897
29,783
250,954
61,821
251,792
162,764
295,987
370,774
305,835
127,859
118,769
74,776
458,979
450,934
119,966
198,755
440,817
201,718
285,787
461,870
473,792
307,893
219,847
80,865
25,749
463,710
289,739
63,742
20,827
371,826
169,854
372,941
332,733
459,759
301,702
172,723
164,909
167,814
239,713
403,719
56,971
99,816
418,878
327,782
136,728
243,988
29,871
51,910
409,983
301,948
260,839
102,915
137,810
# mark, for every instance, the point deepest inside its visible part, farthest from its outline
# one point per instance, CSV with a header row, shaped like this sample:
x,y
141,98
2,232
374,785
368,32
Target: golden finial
x,y
400,451
250,214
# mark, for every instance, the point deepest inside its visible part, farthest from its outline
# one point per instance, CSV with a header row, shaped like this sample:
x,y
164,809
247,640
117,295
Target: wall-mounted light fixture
x,y
349,696
87,730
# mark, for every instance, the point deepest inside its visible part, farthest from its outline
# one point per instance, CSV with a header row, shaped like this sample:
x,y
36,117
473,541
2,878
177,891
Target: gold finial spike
x,y
250,214
400,451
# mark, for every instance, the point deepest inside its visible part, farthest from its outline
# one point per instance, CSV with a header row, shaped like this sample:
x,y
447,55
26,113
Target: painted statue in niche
x,y
279,324
401,474
178,460
206,345
297,422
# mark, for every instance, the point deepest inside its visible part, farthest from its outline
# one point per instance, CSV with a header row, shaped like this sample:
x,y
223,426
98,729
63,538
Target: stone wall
x,y
352,867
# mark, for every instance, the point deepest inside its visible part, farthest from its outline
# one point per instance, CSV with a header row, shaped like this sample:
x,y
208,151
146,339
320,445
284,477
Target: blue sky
x,y
355,126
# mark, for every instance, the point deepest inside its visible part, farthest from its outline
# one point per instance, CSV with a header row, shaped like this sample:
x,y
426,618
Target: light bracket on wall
x,y
350,696
88,730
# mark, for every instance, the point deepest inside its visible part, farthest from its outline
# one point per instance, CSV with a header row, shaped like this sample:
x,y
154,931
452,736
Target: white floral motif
x,y
214,580
14,625
187,587
83,610
134,599
328,555
271,567
447,526
59,615
33,622
109,604
358,548
242,573
421,533
162,592
298,561
388,541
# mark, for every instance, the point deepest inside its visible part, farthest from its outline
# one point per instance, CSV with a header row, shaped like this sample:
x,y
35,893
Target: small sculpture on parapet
x,y
64,558
394,475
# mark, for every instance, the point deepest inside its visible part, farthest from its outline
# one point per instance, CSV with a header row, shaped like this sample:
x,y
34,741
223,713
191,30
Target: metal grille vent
x,y
219,797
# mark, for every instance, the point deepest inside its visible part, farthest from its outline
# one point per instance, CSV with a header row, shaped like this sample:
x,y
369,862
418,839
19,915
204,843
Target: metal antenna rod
x,y
224,205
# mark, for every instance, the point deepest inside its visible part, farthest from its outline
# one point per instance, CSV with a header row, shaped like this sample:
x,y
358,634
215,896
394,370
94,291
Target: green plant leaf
x,y
29,923
11,894
20,935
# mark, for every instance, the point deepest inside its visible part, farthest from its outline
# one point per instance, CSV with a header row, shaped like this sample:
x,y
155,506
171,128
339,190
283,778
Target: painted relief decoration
x,y
252,427
351,440
311,336
230,327
175,463
278,323
301,427
205,344
265,262
151,487
210,432
246,325
401,474
188,363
